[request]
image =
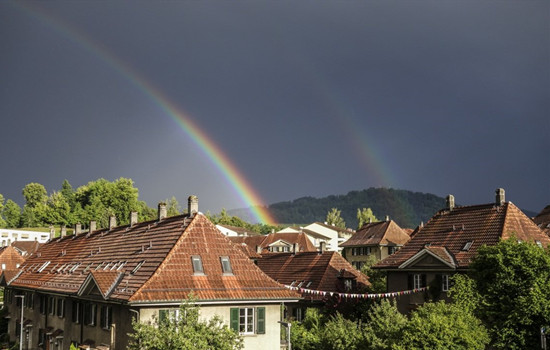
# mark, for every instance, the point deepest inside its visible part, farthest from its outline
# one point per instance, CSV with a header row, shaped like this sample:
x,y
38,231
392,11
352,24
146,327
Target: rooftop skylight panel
x,y
226,265
73,269
197,265
467,246
99,266
121,265
137,267
44,266
88,267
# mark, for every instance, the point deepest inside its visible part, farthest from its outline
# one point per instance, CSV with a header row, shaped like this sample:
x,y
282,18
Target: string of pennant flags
x,y
357,296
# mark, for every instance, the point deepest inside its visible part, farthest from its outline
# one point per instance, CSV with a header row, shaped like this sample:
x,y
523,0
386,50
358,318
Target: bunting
x,y
357,296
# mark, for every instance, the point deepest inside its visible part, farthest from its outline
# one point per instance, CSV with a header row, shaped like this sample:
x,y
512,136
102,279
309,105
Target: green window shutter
x,y
234,319
260,320
163,316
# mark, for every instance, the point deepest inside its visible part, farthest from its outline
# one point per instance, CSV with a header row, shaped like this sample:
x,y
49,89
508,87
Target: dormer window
x,y
197,265
226,265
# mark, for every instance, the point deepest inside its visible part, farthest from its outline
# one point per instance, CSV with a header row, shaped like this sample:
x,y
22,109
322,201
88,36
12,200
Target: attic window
x,y
197,265
137,267
226,265
467,246
44,266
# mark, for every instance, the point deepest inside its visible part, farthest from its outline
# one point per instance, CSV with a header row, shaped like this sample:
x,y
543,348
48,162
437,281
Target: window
x,y
169,315
106,316
417,281
89,314
226,265
392,250
348,284
76,312
197,265
60,307
51,305
43,303
3,266
248,320
137,267
445,283
467,246
358,265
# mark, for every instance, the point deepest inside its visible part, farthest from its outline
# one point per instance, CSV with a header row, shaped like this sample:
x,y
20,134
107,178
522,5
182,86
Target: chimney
x,y
387,218
133,218
77,228
63,231
370,220
112,222
322,247
162,211
499,196
258,249
450,202
295,248
93,226
52,232
193,205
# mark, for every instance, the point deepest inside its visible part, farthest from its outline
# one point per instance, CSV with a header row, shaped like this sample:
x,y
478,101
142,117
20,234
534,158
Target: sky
x,y
256,102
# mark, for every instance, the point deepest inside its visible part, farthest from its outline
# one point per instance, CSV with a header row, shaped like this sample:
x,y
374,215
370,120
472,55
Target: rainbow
x,y
220,160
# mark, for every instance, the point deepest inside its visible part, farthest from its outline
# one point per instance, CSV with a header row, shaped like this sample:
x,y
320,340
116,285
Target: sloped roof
x,y
378,233
324,271
305,245
154,259
543,219
479,224
241,231
11,258
26,247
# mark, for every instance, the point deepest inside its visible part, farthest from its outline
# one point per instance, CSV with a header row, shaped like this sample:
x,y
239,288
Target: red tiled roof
x,y
378,233
10,258
26,247
264,241
324,271
155,259
479,224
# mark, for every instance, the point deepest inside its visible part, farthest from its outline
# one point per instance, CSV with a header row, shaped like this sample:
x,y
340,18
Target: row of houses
x,y
85,289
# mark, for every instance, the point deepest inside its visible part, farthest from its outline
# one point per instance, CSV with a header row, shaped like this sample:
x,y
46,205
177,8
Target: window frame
x,y
445,283
198,269
226,265
242,322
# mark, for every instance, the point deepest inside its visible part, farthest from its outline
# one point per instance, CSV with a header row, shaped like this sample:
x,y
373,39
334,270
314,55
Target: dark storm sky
x,y
306,98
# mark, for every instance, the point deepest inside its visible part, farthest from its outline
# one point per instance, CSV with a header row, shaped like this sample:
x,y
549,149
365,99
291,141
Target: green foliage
x,y
12,214
186,332
384,326
342,334
364,216
73,347
223,218
334,218
2,221
512,281
377,277
442,326
173,207
307,334
463,292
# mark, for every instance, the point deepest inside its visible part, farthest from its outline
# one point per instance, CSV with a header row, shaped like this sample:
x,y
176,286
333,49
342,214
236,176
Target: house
x,y
8,236
447,244
378,239
10,258
325,271
26,248
333,236
278,242
543,220
234,231
85,289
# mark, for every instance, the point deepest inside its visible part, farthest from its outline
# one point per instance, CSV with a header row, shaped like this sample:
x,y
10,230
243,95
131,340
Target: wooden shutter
x,y
234,319
260,320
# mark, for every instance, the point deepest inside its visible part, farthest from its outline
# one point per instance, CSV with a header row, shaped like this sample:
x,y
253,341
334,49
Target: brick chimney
x,y
193,205
162,213
77,228
450,202
63,231
133,218
112,222
258,249
499,196
93,226
52,232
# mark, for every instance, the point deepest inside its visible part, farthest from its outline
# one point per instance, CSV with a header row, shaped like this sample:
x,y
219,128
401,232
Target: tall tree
x,y
184,330
35,210
69,194
334,218
173,207
2,221
12,214
384,326
365,216
511,281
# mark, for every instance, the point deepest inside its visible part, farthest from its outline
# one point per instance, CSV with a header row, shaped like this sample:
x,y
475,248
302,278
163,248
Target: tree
x,y
184,331
442,326
306,335
12,214
340,333
511,282
384,326
365,216
173,208
377,277
334,218
35,209
2,221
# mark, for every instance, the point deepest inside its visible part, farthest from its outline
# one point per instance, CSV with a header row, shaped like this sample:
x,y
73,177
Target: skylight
x,y
226,265
467,246
137,267
197,265
44,266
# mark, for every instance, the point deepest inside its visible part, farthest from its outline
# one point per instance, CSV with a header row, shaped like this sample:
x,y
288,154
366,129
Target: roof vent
x,y
499,196
112,222
162,211
133,218
450,199
193,205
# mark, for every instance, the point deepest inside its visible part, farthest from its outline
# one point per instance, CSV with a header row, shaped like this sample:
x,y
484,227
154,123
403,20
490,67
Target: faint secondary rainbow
x,y
231,173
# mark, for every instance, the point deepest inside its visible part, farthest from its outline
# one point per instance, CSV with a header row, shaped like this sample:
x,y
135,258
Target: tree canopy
x,y
334,218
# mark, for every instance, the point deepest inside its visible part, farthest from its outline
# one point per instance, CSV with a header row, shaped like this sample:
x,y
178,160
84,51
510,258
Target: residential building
x,y
85,289
8,236
333,236
10,258
278,242
543,220
234,231
377,239
447,244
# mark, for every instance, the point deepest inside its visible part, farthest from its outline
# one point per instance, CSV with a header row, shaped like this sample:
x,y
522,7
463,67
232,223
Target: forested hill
x,y
407,208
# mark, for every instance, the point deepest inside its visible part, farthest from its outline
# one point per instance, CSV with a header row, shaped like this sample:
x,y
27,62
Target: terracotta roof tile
x,y
264,241
378,233
543,219
479,224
